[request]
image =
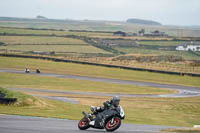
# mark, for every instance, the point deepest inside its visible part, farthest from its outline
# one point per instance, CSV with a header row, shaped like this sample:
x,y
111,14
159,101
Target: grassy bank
x,y
22,99
34,106
95,71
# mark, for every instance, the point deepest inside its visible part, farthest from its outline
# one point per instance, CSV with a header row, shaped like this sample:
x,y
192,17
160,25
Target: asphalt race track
x,y
183,91
26,124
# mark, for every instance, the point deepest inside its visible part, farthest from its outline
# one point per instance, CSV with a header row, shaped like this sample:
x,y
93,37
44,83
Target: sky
x,y
167,12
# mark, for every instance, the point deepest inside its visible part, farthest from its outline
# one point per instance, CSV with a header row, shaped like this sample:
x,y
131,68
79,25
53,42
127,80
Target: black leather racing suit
x,y
99,120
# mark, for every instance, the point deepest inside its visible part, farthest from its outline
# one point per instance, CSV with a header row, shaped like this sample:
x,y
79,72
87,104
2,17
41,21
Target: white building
x,y
191,46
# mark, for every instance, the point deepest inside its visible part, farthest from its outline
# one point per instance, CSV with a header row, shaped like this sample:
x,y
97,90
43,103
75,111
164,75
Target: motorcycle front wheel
x,y
113,124
83,124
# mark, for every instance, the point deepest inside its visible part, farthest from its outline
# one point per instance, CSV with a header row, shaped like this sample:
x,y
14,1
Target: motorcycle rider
x,y
113,103
27,70
37,70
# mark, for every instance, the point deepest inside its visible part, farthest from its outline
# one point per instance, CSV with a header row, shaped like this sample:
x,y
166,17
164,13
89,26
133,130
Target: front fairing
x,y
121,111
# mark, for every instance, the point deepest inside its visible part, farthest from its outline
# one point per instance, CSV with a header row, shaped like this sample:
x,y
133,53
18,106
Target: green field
x,y
24,31
20,31
47,44
10,40
161,43
103,26
55,48
95,71
184,54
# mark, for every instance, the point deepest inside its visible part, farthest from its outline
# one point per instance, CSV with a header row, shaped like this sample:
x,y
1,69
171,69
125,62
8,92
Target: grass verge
x,y
192,130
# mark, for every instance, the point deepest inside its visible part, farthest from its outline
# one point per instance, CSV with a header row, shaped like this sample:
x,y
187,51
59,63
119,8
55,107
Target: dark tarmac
x,y
26,124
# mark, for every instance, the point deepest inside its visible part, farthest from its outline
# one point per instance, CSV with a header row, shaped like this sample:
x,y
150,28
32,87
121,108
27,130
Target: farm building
x,y
119,33
122,43
131,34
156,33
189,46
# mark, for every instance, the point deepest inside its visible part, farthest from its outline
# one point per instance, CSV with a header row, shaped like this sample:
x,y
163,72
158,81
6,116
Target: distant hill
x,y
195,26
143,22
37,19
41,17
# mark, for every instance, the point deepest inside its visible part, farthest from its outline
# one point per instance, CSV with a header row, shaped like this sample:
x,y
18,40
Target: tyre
x,y
83,124
112,124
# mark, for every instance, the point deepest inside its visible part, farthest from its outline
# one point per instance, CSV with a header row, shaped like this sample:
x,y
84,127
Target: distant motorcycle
x,y
37,70
27,70
111,120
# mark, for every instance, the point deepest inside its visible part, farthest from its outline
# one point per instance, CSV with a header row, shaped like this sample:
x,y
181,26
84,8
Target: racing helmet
x,y
116,100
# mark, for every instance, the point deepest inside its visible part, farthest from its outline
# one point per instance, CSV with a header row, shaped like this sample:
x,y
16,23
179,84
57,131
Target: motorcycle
x,y
37,70
27,70
111,119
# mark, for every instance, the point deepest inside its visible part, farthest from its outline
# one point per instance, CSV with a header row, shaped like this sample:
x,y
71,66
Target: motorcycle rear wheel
x,y
112,126
83,124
